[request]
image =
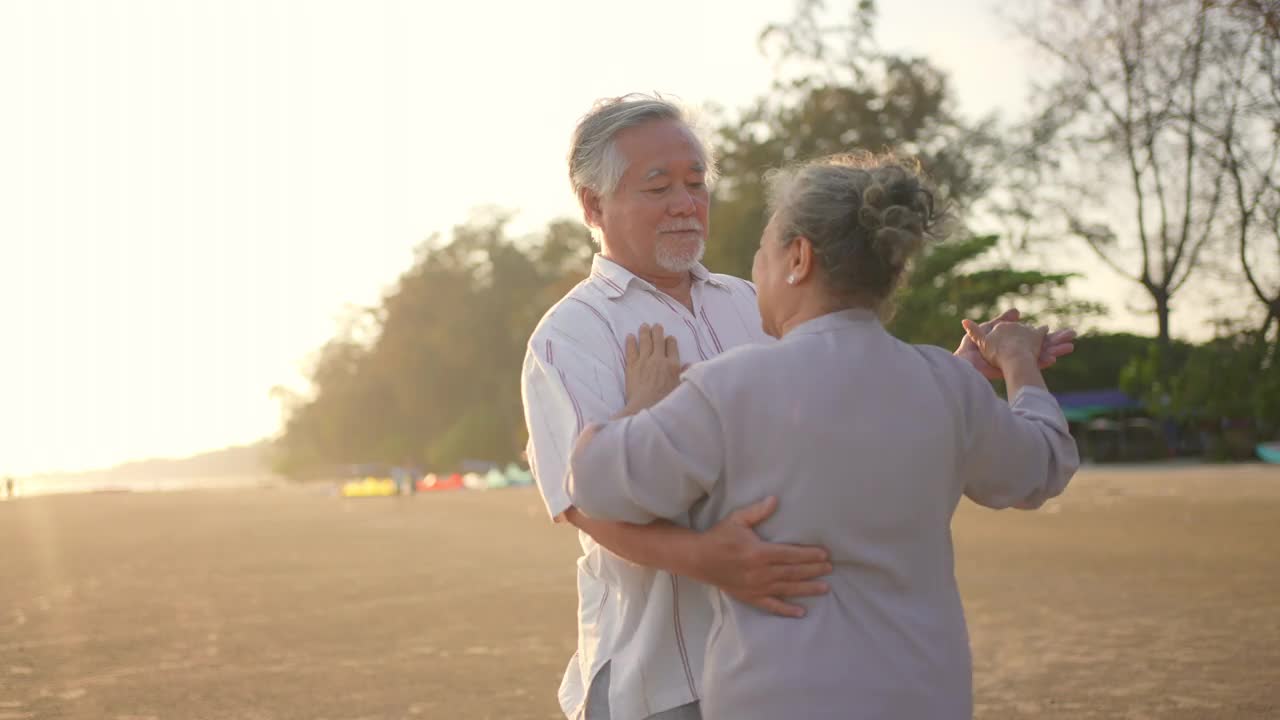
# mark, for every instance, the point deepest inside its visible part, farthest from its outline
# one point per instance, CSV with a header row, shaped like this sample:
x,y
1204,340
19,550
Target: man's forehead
x,y
661,170
658,144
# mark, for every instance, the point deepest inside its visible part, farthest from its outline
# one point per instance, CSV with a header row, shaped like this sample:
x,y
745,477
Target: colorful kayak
x,y
518,476
495,479
369,487
1269,452
433,482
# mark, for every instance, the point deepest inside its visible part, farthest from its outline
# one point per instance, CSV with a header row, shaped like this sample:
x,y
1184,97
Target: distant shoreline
x,y
40,487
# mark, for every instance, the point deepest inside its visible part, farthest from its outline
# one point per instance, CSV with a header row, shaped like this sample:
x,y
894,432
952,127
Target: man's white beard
x,y
679,255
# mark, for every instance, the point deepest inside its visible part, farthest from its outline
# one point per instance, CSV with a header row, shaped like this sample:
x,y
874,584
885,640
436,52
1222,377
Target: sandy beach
x,y
1147,592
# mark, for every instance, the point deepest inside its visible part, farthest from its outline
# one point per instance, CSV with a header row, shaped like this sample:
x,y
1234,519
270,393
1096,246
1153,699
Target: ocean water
x,y
28,487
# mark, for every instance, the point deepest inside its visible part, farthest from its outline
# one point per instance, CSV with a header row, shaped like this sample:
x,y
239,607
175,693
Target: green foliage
x,y
1228,390
901,108
941,291
438,380
1235,377
1100,361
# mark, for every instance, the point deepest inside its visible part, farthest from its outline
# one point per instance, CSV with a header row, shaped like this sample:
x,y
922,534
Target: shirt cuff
x,y
556,501
1038,401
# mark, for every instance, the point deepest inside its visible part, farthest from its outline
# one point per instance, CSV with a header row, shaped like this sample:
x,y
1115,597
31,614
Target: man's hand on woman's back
x,y
733,558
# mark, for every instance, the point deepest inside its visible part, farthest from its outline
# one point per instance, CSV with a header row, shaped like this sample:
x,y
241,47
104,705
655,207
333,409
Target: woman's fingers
x,y
1010,315
1062,336
800,589
651,341
801,572
975,332
775,606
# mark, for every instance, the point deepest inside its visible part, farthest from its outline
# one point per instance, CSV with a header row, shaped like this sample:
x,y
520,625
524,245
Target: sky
x,y
193,194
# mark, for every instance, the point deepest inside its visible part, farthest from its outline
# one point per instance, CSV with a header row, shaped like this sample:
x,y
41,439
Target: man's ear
x,y
592,211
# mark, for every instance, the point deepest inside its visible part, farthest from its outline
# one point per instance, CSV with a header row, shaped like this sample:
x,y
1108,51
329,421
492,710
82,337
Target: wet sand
x,y
1142,593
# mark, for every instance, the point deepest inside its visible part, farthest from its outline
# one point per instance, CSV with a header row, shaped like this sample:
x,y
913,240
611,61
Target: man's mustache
x,y
681,226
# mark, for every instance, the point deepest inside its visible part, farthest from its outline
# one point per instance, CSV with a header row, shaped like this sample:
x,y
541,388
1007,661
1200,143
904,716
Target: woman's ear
x,y
800,259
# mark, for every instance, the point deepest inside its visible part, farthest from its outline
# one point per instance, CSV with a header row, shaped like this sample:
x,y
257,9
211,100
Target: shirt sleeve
x,y
567,382
1018,454
655,464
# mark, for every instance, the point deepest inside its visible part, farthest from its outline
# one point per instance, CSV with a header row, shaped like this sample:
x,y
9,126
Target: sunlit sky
x,y
193,192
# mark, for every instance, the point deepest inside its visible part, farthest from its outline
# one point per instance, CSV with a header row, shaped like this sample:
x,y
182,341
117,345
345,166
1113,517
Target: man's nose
x,y
683,203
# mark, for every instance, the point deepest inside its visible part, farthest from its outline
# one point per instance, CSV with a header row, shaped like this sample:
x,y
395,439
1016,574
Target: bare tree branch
x,y
1189,167
1096,238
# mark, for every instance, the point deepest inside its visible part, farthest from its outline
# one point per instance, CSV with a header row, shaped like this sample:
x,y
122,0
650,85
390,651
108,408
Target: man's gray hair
x,y
594,160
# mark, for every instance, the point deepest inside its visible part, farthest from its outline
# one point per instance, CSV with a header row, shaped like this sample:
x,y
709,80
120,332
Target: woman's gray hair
x,y
865,214
594,159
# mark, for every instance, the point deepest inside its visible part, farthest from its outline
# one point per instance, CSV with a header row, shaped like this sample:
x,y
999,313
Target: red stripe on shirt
x,y
611,283
696,339
712,329
666,302
577,409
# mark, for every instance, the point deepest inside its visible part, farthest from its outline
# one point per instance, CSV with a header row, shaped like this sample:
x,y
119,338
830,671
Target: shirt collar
x,y
614,279
834,321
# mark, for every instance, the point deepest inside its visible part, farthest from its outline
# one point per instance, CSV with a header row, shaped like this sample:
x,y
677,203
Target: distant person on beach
x,y
869,443
401,478
641,175
8,488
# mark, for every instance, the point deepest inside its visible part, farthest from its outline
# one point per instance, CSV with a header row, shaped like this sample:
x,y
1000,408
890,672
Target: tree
x,y
1120,130
1247,45
318,430
836,93
1227,387
431,376
1104,361
944,287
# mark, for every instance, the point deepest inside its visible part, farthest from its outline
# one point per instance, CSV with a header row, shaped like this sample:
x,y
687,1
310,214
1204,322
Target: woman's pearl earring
x,y
791,279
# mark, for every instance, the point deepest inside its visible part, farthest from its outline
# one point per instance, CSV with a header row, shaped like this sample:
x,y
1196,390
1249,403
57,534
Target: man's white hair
x,y
595,162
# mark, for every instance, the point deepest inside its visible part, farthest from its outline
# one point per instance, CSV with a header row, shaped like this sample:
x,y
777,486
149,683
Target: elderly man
x,y
641,175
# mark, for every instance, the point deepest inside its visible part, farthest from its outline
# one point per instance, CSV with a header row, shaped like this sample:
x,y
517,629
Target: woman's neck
x,y
811,307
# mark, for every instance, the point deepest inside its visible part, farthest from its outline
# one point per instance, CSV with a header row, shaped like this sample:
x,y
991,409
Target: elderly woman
x,y
867,441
